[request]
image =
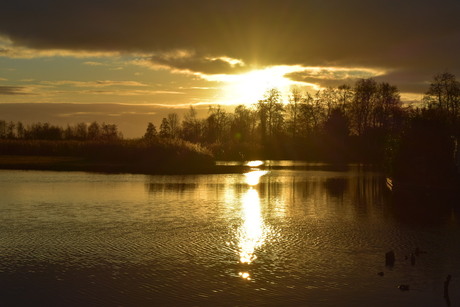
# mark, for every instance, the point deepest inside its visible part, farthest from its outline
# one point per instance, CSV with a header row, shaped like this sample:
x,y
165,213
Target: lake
x,y
288,234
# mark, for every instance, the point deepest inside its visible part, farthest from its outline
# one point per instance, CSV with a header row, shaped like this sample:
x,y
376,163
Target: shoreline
x,y
66,163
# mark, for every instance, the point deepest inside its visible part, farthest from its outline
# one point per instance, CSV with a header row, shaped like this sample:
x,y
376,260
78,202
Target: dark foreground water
x,y
306,236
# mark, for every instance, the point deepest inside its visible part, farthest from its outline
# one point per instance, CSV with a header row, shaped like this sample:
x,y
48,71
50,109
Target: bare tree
x,y
444,94
94,131
244,123
216,124
109,132
174,124
165,128
271,113
81,131
2,129
10,128
20,130
387,106
311,114
191,126
293,110
365,97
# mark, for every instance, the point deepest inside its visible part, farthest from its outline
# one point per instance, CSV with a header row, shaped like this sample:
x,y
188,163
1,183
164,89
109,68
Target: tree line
x,y
46,131
259,129
365,122
362,122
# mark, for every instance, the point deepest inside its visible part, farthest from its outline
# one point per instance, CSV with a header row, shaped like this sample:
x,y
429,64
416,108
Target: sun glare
x,y
250,87
255,163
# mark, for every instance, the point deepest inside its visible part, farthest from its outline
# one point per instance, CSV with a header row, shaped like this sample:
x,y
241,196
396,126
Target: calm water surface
x,y
310,235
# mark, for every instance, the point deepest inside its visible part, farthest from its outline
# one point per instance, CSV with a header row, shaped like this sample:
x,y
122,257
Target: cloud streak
x,y
14,90
184,61
333,77
100,83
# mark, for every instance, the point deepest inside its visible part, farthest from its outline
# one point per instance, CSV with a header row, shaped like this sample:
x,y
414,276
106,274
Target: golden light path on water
x,y
252,232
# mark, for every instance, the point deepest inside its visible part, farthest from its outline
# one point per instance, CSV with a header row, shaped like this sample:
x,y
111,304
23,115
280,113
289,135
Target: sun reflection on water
x,y
252,233
253,177
255,163
245,275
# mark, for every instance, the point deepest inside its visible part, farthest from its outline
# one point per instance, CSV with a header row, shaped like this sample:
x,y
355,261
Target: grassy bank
x,y
131,156
60,163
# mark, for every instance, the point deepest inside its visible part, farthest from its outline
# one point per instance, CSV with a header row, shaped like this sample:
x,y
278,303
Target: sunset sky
x,y
131,62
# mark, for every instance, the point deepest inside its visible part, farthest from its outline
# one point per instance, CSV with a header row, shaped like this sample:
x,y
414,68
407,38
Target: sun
x,y
250,87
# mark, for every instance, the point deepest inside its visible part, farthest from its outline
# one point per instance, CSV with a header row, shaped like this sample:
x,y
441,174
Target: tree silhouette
x,y
444,94
271,112
174,125
109,132
165,128
151,132
216,124
10,130
311,115
387,107
293,111
20,130
191,126
94,131
244,124
2,129
365,96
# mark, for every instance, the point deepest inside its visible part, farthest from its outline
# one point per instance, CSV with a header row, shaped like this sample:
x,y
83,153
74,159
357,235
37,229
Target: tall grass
x,y
140,155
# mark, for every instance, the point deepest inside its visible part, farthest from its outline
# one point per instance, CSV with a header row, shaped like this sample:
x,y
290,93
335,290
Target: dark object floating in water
x,y
403,287
380,273
390,258
419,252
446,287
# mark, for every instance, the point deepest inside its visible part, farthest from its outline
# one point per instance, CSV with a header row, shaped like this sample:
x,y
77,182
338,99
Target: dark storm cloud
x,y
387,34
